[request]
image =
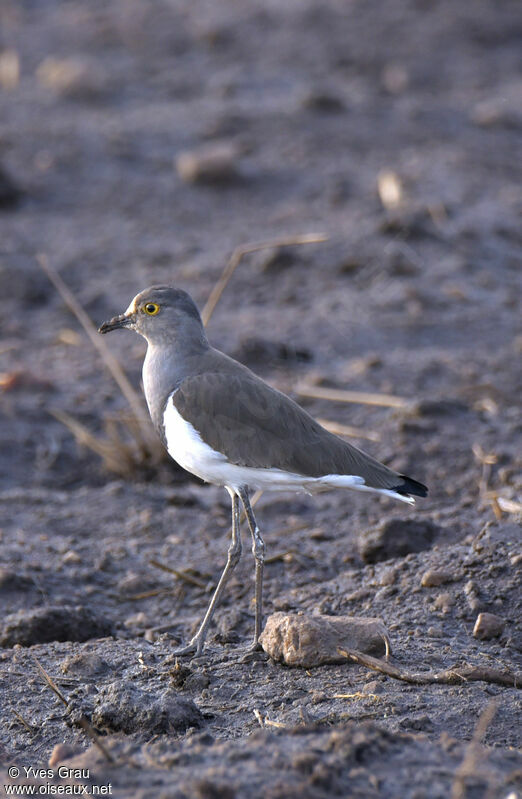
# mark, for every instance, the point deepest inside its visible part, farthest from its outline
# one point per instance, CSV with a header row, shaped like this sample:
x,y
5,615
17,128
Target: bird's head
x,y
160,314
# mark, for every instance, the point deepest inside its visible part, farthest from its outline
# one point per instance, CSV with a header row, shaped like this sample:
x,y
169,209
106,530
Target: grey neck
x,y
166,365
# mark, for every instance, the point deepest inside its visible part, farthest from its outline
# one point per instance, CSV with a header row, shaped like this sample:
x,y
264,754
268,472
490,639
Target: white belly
x,y
186,446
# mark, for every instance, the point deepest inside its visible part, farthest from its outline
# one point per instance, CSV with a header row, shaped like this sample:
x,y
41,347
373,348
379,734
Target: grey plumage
x,y
244,423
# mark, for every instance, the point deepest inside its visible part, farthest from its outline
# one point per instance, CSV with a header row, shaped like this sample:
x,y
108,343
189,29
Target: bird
x,y
224,424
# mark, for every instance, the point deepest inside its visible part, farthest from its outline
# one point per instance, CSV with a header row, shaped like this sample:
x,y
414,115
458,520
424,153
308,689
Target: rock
x,y
88,664
323,100
306,640
11,581
60,753
72,78
212,163
128,709
444,602
433,578
396,538
136,620
389,187
42,625
487,626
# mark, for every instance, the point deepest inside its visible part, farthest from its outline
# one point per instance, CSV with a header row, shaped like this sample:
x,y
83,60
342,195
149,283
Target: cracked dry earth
x,y
307,104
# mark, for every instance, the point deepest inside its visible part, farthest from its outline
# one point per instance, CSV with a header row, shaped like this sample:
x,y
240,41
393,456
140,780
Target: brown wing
x,y
256,426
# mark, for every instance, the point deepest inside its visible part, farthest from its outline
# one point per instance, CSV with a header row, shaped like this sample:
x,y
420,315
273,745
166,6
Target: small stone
x,y
323,100
433,578
72,78
9,69
133,583
136,620
389,576
60,753
444,602
212,163
126,708
306,640
88,664
394,78
389,188
372,687
42,625
396,538
487,626
71,557
12,581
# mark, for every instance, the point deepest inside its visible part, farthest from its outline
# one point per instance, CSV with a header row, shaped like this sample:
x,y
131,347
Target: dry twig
x,y
83,721
29,727
362,397
347,430
454,676
181,575
235,260
112,364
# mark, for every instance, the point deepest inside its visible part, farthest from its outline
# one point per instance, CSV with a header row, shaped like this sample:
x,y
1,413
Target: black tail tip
x,y
413,487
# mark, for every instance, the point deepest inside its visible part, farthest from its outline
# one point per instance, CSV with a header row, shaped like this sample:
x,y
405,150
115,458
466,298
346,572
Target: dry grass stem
x,y
130,394
181,575
348,431
118,458
240,252
454,676
361,397
83,721
28,727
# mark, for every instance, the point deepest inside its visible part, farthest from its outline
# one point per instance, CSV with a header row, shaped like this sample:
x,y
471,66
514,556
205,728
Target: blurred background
x,y
141,142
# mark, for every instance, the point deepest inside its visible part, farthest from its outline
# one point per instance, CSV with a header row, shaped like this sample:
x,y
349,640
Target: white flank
x,y
185,445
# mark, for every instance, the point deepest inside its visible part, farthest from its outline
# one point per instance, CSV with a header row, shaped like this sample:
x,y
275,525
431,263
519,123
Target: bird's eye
x,y
151,308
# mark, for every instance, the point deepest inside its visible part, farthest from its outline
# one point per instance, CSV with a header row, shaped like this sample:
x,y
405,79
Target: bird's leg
x,y
258,550
196,643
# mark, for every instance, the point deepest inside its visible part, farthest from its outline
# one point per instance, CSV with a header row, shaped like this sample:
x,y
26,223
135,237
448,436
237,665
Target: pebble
x,y
136,620
71,557
72,78
88,664
42,625
444,602
433,578
389,576
126,708
487,626
396,538
299,639
211,163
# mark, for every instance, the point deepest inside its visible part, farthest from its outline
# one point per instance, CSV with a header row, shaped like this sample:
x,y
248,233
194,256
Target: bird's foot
x,y
253,652
194,647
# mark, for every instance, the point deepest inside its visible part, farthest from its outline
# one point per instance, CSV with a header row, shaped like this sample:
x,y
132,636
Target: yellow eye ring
x,y
151,308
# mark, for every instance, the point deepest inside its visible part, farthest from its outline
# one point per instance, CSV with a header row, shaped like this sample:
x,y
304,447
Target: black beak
x,y
113,324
